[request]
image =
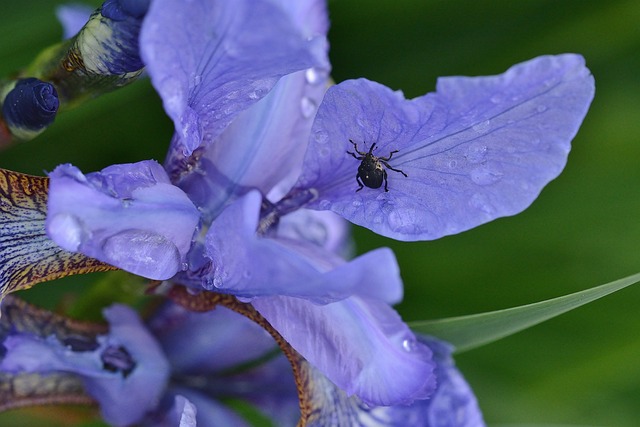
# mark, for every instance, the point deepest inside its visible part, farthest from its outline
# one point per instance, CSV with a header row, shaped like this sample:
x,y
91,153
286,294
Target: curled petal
x,y
249,265
360,344
477,149
129,216
452,404
212,60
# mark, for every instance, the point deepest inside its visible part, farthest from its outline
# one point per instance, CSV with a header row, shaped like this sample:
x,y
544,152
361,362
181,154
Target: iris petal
x,y
129,216
212,60
249,265
360,344
477,149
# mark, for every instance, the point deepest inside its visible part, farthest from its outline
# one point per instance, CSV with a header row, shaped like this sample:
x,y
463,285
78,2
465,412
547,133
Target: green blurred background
x,y
580,369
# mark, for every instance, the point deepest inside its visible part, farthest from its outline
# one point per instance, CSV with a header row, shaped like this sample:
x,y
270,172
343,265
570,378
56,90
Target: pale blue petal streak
x,y
478,149
360,344
211,60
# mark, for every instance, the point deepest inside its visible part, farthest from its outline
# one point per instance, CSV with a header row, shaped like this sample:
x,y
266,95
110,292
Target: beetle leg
x,y
356,148
393,169
354,155
359,183
389,157
384,176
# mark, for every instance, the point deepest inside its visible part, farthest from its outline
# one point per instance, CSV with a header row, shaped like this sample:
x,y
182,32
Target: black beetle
x,y
371,170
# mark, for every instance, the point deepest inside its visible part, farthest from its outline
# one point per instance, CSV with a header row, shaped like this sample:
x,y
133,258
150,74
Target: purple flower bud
x,y
30,106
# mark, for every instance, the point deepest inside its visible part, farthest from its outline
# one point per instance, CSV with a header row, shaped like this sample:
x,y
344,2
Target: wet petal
x,y
249,265
477,149
360,344
129,216
452,405
212,60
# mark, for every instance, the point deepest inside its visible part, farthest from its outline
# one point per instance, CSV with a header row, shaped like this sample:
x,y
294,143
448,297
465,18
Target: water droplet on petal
x,y
247,274
482,127
308,107
497,99
315,76
541,108
485,176
144,253
409,344
324,204
321,137
452,164
356,203
197,79
476,153
217,281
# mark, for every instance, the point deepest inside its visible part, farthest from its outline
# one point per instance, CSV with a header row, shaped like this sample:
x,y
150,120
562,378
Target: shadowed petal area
x,y
248,265
212,60
204,343
124,370
477,149
129,216
453,404
360,344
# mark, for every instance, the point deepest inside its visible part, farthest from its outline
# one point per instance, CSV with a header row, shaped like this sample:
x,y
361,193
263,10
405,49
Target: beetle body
x,y
372,172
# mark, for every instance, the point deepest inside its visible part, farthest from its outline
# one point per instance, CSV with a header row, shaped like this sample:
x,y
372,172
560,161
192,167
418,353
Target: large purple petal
x,y
129,216
126,373
477,149
360,344
249,265
213,59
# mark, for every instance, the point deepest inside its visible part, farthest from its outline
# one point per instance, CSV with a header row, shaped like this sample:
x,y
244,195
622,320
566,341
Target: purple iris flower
x,y
257,141
179,366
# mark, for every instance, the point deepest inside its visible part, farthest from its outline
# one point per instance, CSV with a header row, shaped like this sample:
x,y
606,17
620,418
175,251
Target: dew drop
x,y
308,107
485,176
356,203
246,274
482,127
476,153
321,137
197,79
408,344
217,281
496,99
324,204
315,76
541,108
452,164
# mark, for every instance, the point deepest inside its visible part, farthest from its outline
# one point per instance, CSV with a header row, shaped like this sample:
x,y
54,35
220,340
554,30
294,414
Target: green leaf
x,y
467,332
